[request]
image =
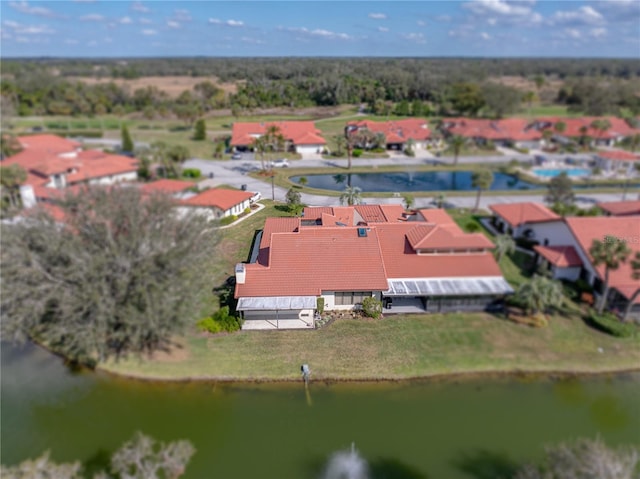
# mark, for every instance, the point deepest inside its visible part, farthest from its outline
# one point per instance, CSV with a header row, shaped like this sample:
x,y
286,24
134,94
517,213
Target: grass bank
x,y
394,348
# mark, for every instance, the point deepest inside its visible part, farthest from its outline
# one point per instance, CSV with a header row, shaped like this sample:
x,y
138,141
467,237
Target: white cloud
x,y
24,7
182,15
598,32
500,7
619,10
585,15
383,29
139,7
573,33
319,32
92,17
149,31
71,41
485,36
173,24
444,18
215,21
492,21
252,40
125,20
414,37
145,21
21,29
235,23
421,23
378,16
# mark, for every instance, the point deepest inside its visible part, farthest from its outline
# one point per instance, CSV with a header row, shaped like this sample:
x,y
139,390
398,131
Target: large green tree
x,y
481,180
125,139
505,244
200,131
351,196
11,177
467,98
456,145
560,190
610,253
500,99
635,275
123,274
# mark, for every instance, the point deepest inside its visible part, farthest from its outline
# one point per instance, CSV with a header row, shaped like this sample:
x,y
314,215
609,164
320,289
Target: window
x,y
348,298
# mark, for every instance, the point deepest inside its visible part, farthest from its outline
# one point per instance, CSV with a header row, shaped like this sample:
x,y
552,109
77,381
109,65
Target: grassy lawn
x,y
398,347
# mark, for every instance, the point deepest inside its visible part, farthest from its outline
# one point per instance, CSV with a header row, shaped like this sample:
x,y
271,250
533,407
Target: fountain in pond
x,y
346,465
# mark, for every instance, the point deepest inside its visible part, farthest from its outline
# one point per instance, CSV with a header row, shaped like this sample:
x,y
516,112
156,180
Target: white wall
x,y
309,148
557,232
112,179
570,274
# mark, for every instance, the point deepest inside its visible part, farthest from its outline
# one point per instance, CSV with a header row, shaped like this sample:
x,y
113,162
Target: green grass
x,y
398,347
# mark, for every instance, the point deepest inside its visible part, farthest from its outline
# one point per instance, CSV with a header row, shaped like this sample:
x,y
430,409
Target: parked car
x,y
256,197
281,163
236,156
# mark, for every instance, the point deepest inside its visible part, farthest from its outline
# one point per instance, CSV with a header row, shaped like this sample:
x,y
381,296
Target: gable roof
x,y
397,131
560,256
574,127
621,208
587,229
166,185
518,129
51,143
516,214
218,198
297,132
618,155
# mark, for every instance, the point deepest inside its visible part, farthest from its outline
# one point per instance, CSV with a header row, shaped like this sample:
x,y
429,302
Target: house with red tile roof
x,y
301,136
217,203
517,131
517,219
53,162
411,262
576,128
620,161
398,132
620,208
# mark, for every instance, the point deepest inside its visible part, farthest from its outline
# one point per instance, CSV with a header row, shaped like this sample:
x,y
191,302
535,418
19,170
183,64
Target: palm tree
x,y
547,134
11,177
341,144
440,199
540,294
504,245
634,142
529,98
302,180
351,140
482,180
351,196
601,125
259,146
611,253
274,138
408,201
560,127
584,138
456,144
635,275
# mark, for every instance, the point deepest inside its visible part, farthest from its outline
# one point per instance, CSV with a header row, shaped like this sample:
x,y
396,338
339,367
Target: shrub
x,y
227,220
526,243
320,305
357,153
79,133
220,321
472,227
247,210
610,324
372,307
191,173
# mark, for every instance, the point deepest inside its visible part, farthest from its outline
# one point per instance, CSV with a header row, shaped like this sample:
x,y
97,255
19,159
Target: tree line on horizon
x,y
400,86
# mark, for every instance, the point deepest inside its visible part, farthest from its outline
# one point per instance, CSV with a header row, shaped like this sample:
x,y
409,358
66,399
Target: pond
x,y
419,181
427,429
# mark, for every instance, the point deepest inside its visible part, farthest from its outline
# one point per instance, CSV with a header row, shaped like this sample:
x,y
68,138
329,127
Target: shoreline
x,y
517,374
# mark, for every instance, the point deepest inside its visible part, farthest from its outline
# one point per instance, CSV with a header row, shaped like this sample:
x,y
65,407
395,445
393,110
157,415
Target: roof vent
x,y
241,274
362,232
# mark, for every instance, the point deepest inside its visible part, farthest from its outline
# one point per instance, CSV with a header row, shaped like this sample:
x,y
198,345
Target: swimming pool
x,y
551,172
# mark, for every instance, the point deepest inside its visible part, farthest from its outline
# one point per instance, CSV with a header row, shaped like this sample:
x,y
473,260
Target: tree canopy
x,y
122,274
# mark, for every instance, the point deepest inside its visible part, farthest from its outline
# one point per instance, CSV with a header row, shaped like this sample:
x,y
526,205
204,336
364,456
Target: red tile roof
x,y
305,260
574,127
315,260
586,229
50,143
438,215
618,155
621,208
297,132
561,256
517,129
218,198
397,131
516,214
166,186
353,215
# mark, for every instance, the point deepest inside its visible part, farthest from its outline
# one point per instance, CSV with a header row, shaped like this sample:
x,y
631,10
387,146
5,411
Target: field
x,y
171,85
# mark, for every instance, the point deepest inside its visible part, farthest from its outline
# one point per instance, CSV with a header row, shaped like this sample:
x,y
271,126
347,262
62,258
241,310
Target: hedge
x,y
610,324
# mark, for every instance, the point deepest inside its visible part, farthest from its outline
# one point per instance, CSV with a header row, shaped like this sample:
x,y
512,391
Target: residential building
x,y
620,208
618,161
341,255
398,132
576,128
218,203
300,136
517,132
516,219
52,162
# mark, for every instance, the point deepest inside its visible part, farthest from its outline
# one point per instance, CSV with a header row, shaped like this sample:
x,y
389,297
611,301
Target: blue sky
x,y
494,28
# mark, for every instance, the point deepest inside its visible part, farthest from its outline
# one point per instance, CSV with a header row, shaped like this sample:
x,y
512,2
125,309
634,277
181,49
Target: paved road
x,y
234,173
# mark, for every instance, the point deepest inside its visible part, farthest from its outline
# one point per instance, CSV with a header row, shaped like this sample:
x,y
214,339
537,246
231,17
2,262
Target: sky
x,y
473,28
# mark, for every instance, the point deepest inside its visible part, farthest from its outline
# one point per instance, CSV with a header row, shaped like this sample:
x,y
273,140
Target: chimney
x,y
27,196
241,274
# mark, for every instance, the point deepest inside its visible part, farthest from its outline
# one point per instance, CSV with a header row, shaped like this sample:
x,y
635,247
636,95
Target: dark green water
x,y
429,430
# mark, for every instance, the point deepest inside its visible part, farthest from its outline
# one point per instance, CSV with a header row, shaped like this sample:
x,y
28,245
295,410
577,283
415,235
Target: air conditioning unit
x,y
241,273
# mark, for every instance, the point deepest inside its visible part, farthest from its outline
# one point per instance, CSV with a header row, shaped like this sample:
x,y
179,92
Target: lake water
x,y
426,429
420,181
